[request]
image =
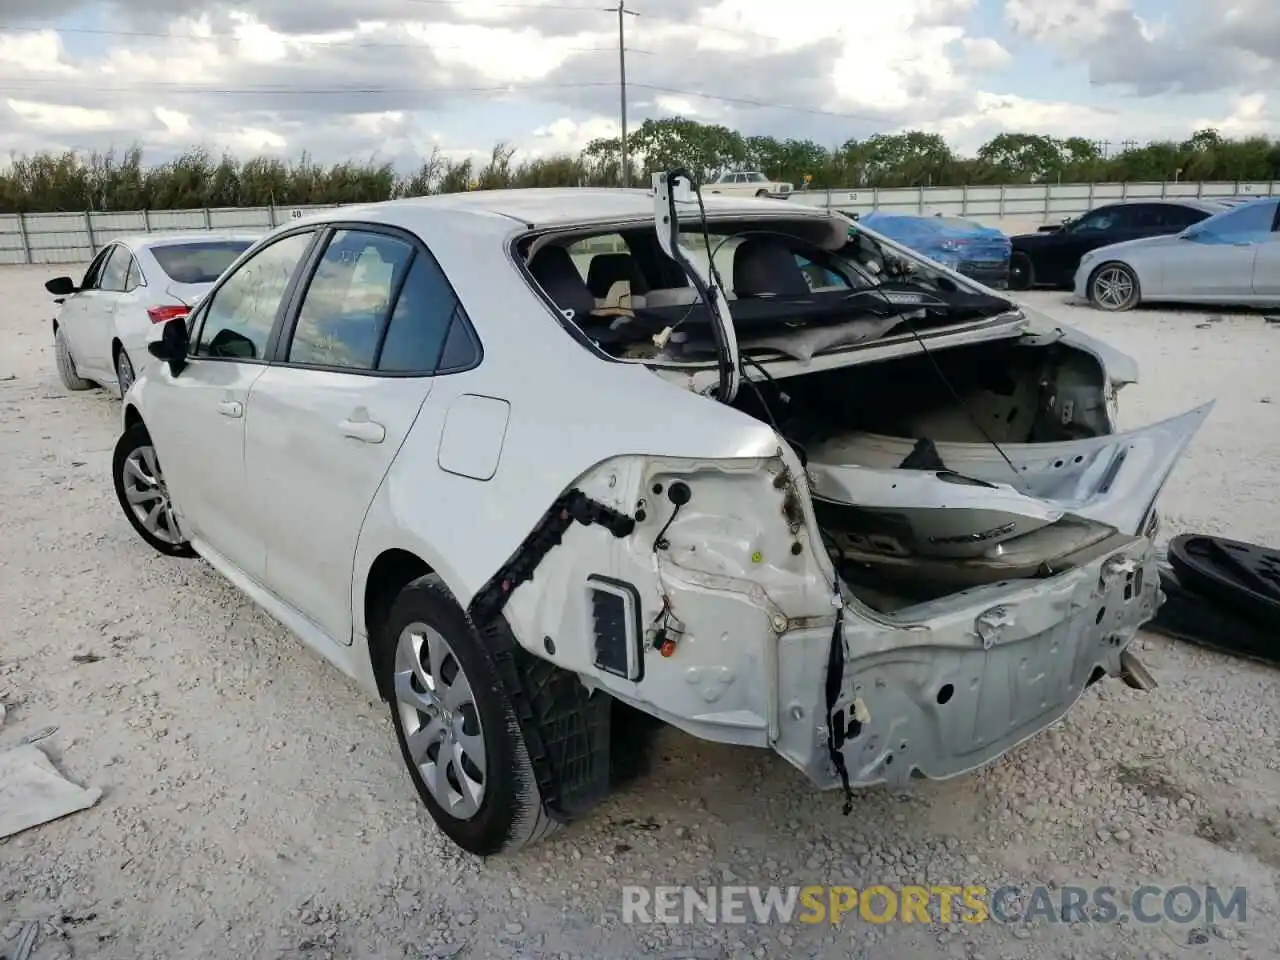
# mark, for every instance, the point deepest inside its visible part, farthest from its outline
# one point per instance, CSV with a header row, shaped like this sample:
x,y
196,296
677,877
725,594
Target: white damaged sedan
x,y
517,460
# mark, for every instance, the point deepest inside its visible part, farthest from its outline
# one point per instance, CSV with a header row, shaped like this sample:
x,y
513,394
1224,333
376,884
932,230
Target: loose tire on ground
x,y
429,645
67,366
143,494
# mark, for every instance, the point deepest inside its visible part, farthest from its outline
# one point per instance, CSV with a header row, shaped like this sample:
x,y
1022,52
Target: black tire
x,y
135,441
1022,273
66,365
1114,287
510,814
124,371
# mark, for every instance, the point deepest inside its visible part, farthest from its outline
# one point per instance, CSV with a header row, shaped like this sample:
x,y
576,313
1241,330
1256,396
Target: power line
x,y
470,5
33,85
301,91
284,38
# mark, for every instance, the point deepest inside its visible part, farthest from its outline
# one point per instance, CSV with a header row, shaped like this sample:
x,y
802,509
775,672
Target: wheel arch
x,y
132,417
117,345
391,571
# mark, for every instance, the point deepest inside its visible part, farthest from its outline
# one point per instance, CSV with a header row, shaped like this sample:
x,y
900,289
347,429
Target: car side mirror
x,y
61,286
172,345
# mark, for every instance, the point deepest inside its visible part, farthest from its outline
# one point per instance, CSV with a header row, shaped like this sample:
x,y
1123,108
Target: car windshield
x,y
756,177
201,261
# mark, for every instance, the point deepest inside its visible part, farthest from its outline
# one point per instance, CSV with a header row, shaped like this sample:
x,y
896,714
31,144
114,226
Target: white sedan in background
x,y
133,284
748,183
1229,259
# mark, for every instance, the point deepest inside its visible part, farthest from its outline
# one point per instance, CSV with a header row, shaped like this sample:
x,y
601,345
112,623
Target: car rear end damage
x,y
936,545
699,593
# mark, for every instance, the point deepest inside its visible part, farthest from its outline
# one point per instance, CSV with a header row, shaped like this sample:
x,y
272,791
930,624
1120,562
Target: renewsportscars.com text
x,y
882,904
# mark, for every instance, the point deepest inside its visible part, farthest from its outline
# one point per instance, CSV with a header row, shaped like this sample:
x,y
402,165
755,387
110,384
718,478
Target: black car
x,y
1050,256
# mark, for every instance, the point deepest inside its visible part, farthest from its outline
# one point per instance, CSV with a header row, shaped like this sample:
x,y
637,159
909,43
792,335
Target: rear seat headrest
x,y
765,266
609,268
556,273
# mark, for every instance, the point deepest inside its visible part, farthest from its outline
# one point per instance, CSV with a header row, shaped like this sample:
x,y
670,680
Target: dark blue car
x,y
962,245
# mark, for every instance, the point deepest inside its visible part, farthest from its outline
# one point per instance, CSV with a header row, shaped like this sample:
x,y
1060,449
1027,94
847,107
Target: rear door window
x,y
116,271
428,332
349,299
94,273
134,276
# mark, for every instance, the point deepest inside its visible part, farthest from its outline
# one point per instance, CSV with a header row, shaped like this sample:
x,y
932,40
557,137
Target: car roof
x,y
1206,204
540,207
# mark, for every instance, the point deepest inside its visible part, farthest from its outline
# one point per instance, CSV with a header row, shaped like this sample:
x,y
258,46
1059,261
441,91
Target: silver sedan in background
x,y
1231,258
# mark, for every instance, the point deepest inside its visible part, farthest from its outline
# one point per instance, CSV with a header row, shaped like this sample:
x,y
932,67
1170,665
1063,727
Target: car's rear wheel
x,y
1114,287
144,495
1021,272
457,729
66,365
124,371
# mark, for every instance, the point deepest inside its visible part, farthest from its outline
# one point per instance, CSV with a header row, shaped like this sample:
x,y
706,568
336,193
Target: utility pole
x,y
623,13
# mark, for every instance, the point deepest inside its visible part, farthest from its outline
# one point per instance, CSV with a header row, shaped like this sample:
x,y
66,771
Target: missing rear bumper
x,y
961,685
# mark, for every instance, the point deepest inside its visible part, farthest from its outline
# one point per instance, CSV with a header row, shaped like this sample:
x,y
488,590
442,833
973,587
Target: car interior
x,y
620,289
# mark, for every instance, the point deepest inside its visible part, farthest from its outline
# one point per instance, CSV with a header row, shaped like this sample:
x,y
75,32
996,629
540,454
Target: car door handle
x,y
366,431
231,408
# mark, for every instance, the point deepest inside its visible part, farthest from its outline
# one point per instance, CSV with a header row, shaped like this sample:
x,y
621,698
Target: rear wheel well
x,y
116,347
391,572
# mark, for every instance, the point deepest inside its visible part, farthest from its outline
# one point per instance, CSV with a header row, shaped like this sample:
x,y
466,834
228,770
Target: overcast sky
x,y
393,78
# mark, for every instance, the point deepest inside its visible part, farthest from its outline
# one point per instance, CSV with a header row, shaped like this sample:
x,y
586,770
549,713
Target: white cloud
x,y
397,79
44,116
984,53
174,121
34,53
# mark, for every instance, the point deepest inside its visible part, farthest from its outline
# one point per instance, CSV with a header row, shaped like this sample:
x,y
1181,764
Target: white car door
x,y
197,418
329,416
72,317
95,324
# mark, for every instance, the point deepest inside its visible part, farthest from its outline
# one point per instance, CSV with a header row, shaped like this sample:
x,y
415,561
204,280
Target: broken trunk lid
x,y
1112,479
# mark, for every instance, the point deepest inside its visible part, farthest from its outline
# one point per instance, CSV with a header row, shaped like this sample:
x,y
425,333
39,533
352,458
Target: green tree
x,y
111,180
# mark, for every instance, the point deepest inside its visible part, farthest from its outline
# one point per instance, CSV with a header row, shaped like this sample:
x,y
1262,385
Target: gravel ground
x,y
255,804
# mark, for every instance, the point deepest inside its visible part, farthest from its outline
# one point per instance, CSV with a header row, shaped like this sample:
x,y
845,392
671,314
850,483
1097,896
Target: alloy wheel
x,y
441,723
148,496
1113,287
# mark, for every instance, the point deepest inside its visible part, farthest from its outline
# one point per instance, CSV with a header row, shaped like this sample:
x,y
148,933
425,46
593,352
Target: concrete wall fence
x,y
72,237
